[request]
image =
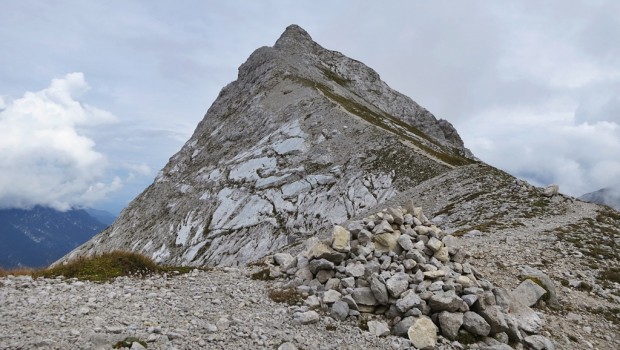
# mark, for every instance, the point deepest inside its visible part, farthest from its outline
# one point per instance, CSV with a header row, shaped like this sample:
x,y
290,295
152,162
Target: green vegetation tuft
x,y
363,324
611,274
449,155
467,338
107,266
611,314
331,75
541,203
262,275
128,342
330,327
289,296
585,286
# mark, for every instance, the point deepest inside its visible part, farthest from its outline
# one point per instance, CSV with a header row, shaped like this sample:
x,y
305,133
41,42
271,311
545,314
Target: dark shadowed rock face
x,y
304,138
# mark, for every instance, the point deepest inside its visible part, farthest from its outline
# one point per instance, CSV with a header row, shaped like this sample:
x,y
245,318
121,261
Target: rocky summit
x,y
303,139
309,172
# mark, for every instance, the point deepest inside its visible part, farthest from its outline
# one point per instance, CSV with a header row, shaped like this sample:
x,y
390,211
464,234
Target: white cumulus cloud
x,y
550,145
44,159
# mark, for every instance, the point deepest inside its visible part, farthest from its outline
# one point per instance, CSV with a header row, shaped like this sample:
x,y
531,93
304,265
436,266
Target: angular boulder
x,y
539,342
446,302
475,324
544,281
408,300
528,292
378,328
323,251
340,310
397,284
341,239
307,317
423,334
379,290
364,296
450,323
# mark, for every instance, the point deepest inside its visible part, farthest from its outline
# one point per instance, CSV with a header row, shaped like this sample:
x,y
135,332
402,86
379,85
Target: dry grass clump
x,y
104,267
18,271
101,268
288,295
262,275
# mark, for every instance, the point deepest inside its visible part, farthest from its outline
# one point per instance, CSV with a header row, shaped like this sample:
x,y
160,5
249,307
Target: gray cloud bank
x,y
532,87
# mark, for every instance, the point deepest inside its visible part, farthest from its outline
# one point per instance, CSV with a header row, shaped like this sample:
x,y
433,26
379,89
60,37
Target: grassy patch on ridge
x,y
102,268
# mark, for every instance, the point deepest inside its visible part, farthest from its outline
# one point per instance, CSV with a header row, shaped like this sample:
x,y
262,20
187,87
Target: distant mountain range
x,y
37,237
102,216
607,196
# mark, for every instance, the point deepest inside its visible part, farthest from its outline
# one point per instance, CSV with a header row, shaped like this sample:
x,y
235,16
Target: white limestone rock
x,y
341,239
423,334
378,328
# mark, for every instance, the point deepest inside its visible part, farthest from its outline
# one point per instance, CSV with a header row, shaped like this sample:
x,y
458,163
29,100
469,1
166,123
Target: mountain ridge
x,y
606,196
328,125
306,138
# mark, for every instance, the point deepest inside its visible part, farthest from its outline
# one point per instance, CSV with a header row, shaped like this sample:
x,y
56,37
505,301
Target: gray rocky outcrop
x,y
528,292
543,280
261,170
551,190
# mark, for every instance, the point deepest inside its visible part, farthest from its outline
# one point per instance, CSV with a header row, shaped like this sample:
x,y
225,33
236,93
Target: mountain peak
x,y
607,196
294,36
304,138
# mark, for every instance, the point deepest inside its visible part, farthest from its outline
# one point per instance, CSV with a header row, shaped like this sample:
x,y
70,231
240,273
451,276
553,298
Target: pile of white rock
x,y
397,264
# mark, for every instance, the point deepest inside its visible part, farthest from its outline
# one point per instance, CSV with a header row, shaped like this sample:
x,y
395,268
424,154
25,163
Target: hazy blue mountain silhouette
x,y
37,237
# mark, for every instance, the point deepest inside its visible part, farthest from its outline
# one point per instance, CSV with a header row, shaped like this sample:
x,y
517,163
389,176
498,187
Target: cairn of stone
x,y
397,264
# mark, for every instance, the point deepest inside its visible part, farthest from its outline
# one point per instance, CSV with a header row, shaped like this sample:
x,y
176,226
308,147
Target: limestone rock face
x,y
304,138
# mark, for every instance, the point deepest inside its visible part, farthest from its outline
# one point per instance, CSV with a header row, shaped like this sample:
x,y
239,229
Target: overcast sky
x,y
95,96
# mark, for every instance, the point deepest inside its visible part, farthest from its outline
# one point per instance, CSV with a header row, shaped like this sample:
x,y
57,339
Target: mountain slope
x,y
606,196
102,216
39,236
304,138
